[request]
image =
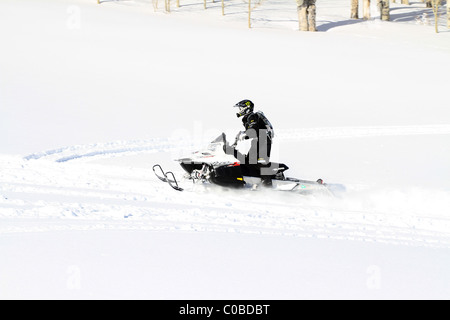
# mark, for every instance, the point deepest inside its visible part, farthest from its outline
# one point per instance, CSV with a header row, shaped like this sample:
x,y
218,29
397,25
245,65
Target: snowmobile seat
x,y
272,169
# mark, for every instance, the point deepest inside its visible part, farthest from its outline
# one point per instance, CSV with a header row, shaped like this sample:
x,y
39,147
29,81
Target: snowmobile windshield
x,y
221,138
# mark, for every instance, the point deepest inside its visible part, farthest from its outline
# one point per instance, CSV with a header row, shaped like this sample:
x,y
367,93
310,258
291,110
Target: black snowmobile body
x,y
235,175
216,167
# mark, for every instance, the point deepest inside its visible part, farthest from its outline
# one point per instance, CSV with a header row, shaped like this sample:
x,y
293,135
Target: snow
x,y
91,96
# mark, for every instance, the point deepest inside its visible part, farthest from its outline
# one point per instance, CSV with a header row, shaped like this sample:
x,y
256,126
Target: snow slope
x,y
92,96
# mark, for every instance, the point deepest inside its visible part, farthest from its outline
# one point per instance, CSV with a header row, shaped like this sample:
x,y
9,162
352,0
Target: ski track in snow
x,y
50,191
65,154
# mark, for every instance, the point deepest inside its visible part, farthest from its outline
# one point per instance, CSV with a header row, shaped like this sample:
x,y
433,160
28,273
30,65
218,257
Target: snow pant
x,y
306,15
257,161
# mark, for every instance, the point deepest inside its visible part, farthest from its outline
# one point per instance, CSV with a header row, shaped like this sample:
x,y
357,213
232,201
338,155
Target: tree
x,y
366,9
448,15
435,5
249,13
355,8
167,4
306,15
384,9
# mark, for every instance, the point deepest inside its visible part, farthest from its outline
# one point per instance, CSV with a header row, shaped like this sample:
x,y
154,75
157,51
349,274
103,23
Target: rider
x,y
260,131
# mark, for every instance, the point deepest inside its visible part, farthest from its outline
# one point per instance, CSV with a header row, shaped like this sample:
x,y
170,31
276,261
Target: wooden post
x,y
178,3
204,4
223,7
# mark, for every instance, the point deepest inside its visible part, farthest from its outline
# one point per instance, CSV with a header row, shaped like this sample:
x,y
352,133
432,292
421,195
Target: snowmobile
x,y
214,166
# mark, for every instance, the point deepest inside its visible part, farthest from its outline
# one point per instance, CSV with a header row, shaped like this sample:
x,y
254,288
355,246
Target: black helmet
x,y
245,108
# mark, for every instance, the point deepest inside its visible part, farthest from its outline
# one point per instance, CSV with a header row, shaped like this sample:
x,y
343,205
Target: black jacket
x,y
258,122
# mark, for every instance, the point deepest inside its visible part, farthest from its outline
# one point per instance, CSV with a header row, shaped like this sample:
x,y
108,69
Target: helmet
x,y
245,108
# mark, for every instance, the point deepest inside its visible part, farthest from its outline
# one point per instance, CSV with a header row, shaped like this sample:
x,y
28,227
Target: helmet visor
x,y
243,110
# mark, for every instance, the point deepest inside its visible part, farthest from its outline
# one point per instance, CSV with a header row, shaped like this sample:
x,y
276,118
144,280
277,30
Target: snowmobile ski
x,y
168,177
